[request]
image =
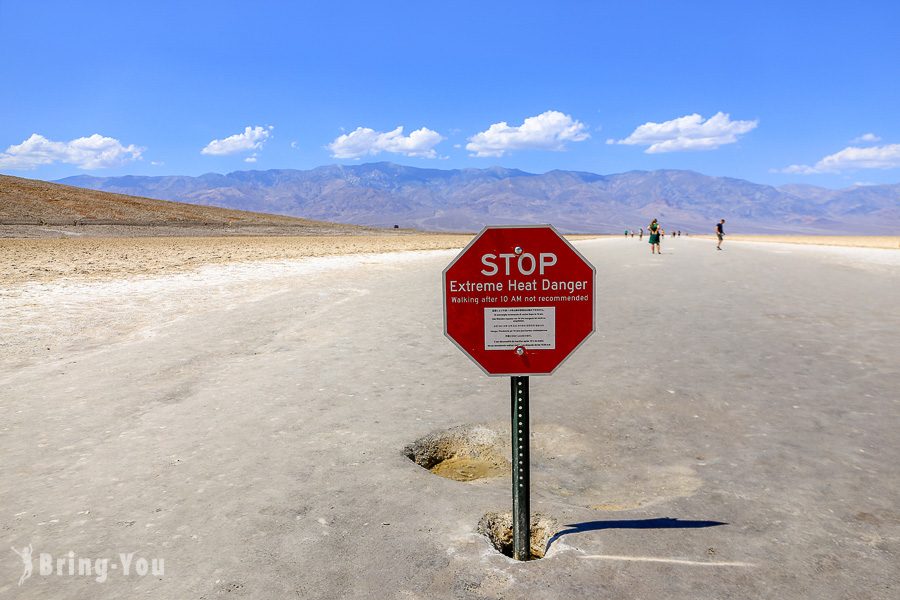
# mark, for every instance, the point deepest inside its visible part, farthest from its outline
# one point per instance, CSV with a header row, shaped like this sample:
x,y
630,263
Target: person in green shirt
x,y
654,237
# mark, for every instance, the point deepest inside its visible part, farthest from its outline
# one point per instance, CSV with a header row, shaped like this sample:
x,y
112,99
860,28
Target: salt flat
x,y
731,430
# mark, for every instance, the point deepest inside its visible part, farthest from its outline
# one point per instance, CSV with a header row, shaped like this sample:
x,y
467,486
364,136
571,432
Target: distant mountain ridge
x,y
29,203
384,194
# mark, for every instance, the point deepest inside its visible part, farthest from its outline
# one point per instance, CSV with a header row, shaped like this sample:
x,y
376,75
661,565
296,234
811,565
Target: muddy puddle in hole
x,y
468,468
462,453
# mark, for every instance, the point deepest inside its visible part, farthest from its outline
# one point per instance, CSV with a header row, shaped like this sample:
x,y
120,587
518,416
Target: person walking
x,y
720,233
654,237
641,234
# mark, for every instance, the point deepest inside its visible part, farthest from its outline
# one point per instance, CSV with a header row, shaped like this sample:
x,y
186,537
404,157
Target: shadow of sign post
x,y
658,523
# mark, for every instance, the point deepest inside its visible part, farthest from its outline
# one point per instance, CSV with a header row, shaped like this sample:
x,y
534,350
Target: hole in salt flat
x,y
497,528
463,453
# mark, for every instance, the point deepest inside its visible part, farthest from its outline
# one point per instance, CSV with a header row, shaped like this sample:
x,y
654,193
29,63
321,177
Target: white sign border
x,y
571,247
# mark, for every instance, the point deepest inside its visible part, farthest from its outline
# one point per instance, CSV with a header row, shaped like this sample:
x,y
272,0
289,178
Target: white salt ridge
x,y
61,314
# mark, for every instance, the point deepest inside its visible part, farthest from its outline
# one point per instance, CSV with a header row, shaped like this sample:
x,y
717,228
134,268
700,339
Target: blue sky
x,y
772,92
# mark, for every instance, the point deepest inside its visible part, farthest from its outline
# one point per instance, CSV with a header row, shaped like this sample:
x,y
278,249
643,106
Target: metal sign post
x,y
518,301
521,464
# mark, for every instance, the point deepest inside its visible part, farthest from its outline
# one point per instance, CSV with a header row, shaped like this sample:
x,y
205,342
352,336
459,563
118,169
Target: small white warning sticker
x,y
534,328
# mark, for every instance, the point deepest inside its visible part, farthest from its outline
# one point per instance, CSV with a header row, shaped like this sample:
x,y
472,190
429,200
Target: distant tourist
x,y
720,233
626,233
642,234
654,237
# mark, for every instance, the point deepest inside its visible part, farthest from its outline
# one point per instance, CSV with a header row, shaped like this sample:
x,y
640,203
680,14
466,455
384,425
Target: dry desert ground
x,y
854,241
246,410
25,260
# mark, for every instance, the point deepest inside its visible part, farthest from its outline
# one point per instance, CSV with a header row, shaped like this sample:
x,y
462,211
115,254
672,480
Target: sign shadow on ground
x,y
657,523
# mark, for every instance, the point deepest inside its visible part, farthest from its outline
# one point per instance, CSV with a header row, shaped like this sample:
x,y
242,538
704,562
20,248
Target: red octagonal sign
x,y
519,300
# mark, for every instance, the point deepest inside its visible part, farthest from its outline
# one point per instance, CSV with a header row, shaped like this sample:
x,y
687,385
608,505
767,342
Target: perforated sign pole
x,y
518,301
521,464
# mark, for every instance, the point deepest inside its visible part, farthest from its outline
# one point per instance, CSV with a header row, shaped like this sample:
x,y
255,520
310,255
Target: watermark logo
x,y
80,566
25,555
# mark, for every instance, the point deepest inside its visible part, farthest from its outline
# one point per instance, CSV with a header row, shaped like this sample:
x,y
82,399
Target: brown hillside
x,y
33,202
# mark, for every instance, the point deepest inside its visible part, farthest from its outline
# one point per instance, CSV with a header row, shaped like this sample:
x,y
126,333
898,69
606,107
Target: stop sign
x,y
519,300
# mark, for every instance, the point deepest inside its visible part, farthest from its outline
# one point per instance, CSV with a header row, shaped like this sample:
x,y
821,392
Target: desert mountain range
x,y
31,202
385,194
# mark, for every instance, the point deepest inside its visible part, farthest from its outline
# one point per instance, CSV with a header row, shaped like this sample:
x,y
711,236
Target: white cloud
x,y
364,141
92,152
547,131
796,170
689,132
866,138
252,138
157,163
852,158
250,159
295,145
